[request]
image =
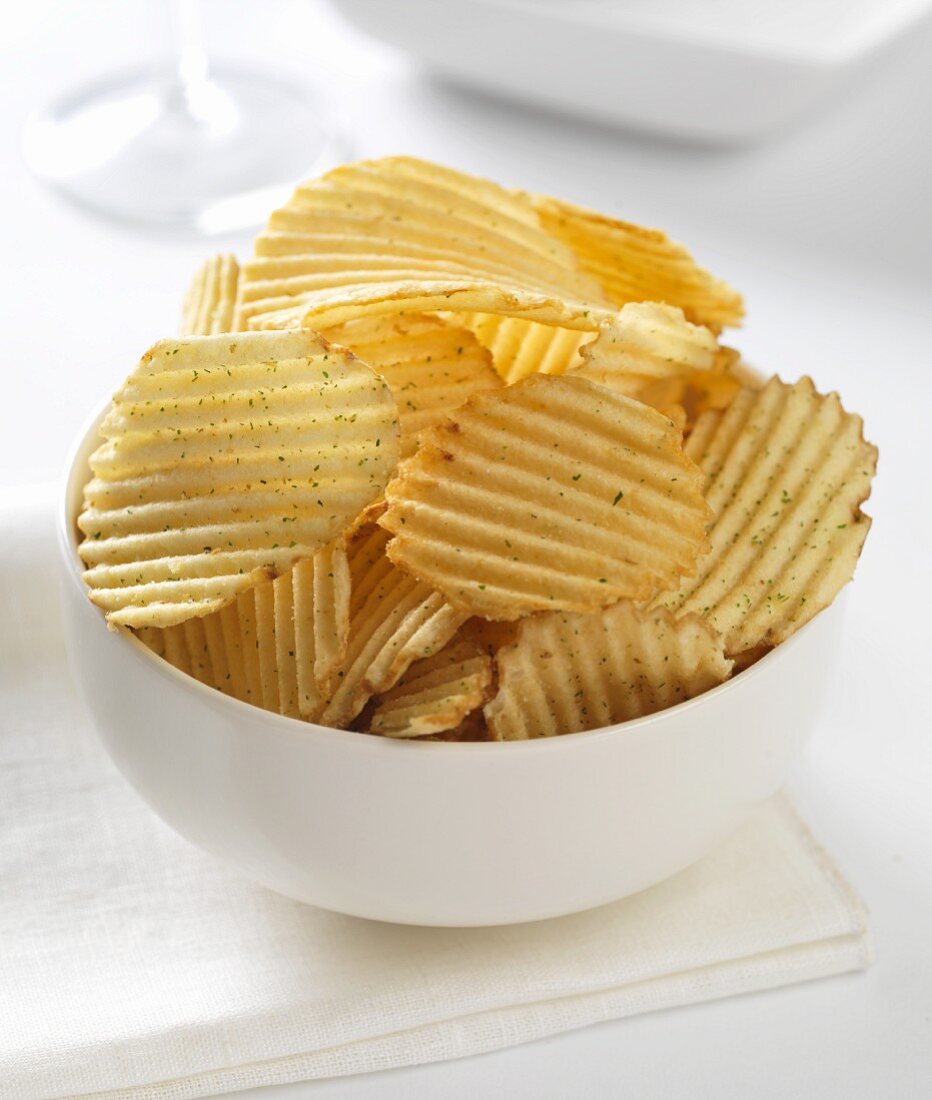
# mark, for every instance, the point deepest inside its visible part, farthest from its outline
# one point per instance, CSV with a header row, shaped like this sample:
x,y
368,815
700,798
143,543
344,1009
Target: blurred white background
x,y
827,230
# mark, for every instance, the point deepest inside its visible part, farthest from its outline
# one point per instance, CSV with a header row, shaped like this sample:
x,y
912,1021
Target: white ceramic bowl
x,y
436,833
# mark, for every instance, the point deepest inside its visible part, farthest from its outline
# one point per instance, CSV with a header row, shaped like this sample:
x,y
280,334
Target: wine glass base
x,y
208,159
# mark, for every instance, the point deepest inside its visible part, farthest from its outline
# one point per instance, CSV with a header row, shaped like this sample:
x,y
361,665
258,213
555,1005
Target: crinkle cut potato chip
x,y
785,470
394,621
436,694
554,493
646,343
431,366
277,645
226,459
210,301
519,347
403,235
634,264
569,672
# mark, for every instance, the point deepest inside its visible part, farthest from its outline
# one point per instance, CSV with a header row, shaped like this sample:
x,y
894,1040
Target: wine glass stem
x,y
191,83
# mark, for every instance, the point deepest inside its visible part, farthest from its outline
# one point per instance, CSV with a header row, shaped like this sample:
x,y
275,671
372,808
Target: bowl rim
x,y
298,727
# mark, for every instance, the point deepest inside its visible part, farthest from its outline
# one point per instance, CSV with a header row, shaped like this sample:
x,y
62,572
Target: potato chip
x,y
569,672
266,645
431,366
401,234
472,728
435,694
554,493
249,641
785,471
321,587
634,264
226,459
645,344
153,637
519,347
210,301
283,613
395,620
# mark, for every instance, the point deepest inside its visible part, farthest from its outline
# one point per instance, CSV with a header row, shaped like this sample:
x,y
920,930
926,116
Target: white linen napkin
x,y
134,967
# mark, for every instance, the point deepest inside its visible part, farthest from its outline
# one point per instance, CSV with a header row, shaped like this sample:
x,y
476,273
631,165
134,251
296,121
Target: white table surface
x,y
828,232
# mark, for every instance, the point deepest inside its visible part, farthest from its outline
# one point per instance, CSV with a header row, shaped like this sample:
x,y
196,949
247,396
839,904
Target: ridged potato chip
x,y
785,470
210,301
519,347
554,493
394,621
645,344
431,366
436,694
226,458
401,234
321,587
569,672
634,264
288,661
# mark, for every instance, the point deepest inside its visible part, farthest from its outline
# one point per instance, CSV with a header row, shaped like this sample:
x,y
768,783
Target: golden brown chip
x,y
436,694
225,459
431,366
785,471
569,672
472,728
153,637
634,264
554,493
395,620
401,234
211,298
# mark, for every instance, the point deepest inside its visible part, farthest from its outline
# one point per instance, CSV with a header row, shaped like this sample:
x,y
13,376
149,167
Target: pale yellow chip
x,y
554,493
568,672
519,347
785,470
431,366
321,587
401,234
227,458
634,264
644,344
210,300
395,620
436,694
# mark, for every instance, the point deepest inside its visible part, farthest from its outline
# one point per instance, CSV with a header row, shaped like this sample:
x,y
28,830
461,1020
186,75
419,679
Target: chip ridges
x,y
634,264
569,672
225,459
401,234
785,470
210,300
394,621
436,694
519,347
554,493
431,366
646,343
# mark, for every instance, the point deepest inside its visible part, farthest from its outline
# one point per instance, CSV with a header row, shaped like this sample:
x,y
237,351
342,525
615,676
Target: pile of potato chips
x,y
444,460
